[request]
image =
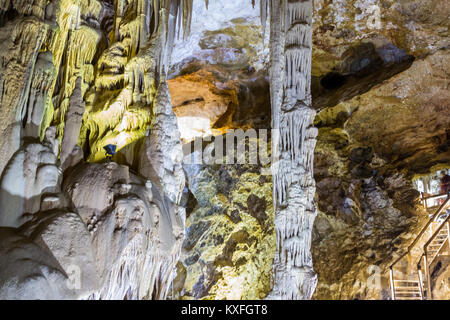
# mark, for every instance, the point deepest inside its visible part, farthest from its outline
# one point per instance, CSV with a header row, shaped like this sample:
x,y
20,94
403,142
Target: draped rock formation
x,y
293,140
78,76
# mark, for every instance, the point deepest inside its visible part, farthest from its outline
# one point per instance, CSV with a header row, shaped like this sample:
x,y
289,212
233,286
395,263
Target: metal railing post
x,y
425,204
427,274
391,277
448,236
422,297
428,227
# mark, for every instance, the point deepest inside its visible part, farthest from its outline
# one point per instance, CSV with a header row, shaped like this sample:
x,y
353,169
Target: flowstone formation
x,y
78,77
380,95
219,105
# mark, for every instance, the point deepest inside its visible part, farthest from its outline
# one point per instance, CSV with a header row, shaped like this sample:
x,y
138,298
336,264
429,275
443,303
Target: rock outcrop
x,y
230,237
30,183
369,149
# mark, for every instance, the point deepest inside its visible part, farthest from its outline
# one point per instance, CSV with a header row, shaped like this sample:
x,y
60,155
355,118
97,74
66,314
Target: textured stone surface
x,y
30,175
208,99
29,271
230,238
162,154
117,239
93,87
366,81
369,149
420,27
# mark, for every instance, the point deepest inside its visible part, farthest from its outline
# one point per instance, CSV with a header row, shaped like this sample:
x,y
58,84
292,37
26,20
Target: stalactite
x,y
21,42
141,273
111,96
264,7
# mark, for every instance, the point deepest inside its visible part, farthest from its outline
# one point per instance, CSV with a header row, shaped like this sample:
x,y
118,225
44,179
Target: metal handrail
x,y
424,254
434,196
430,197
424,229
436,232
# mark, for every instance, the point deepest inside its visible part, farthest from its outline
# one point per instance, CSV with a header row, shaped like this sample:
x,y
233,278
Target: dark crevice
x,y
333,81
8,15
187,102
336,87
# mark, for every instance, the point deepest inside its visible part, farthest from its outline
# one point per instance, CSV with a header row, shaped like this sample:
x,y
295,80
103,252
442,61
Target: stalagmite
x,y
162,155
136,233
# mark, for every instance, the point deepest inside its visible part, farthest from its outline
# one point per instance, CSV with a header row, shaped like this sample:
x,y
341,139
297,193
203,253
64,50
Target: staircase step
x,y
414,287
409,293
407,290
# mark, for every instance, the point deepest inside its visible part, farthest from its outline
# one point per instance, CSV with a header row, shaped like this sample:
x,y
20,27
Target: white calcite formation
x,y
162,154
118,239
90,231
74,118
30,180
29,271
136,237
293,139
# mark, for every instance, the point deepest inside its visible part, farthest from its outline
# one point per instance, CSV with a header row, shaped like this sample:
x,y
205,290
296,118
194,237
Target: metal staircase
x,y
437,244
408,290
436,235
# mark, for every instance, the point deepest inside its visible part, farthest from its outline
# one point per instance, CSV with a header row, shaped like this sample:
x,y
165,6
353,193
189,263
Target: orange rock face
x,y
199,101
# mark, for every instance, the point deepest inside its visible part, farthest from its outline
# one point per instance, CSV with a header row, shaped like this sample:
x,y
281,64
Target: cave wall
x,y
77,76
